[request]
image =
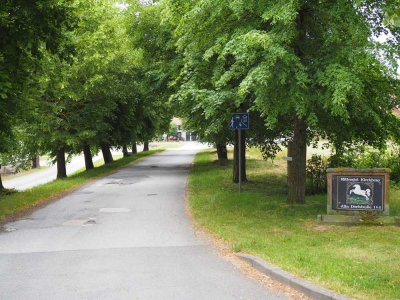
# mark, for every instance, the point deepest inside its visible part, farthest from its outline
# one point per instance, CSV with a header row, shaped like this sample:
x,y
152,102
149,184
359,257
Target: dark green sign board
x,y
357,196
355,193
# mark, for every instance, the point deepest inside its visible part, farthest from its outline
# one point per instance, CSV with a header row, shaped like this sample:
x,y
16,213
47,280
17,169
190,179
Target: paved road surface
x,y
125,236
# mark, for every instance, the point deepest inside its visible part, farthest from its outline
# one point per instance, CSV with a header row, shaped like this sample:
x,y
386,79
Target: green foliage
x,y
101,87
98,96
344,156
173,129
86,73
280,59
152,37
20,151
358,156
27,27
316,175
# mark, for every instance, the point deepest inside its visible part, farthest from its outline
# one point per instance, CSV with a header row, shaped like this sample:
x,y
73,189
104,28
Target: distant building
x,y
182,134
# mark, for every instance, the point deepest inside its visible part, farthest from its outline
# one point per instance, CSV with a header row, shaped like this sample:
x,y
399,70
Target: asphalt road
x,y
126,236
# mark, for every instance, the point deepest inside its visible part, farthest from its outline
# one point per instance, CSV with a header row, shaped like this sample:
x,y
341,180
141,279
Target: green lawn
x,y
14,203
359,261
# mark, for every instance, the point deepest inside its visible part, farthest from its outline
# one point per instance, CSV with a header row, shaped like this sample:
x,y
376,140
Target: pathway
x,y
126,236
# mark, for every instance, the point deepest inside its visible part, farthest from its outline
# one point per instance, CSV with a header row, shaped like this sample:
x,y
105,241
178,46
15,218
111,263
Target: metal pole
x,y
240,159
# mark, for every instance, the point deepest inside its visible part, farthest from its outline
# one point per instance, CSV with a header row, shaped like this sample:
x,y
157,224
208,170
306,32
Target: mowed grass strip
x,y
18,202
360,261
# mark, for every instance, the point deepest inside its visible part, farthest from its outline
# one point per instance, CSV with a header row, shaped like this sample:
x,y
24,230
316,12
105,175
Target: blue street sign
x,y
240,121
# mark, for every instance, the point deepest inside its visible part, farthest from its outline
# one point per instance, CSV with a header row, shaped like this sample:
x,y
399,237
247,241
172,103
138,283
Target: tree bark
x,y
35,162
236,157
1,182
88,157
61,166
134,148
222,153
107,156
297,150
146,146
125,151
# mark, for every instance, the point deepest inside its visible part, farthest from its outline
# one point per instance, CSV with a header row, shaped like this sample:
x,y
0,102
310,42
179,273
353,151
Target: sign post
x,y
240,159
357,196
354,190
240,121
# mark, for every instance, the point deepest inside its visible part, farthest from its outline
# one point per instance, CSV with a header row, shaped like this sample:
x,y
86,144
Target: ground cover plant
x,y
360,261
12,203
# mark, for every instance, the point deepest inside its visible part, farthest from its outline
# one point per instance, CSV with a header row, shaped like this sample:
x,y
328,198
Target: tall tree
x,y
153,37
206,104
312,63
27,27
90,101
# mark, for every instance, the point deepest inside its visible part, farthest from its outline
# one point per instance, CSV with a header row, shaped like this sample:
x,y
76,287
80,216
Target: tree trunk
x,y
35,162
146,146
125,151
1,182
61,166
222,153
107,156
88,157
236,157
134,148
297,150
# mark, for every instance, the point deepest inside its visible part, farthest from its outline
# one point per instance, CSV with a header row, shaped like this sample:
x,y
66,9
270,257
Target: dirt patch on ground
x,y
321,228
315,226
223,248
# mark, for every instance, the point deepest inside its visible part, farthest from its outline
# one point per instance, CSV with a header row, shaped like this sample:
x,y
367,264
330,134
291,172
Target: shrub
x,y
316,175
345,157
363,158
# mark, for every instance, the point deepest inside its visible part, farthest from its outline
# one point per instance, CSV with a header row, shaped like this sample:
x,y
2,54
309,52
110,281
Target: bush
x,y
316,175
362,158
345,157
379,159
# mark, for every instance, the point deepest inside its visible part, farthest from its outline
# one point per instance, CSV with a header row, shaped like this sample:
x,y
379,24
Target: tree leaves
x,y
315,60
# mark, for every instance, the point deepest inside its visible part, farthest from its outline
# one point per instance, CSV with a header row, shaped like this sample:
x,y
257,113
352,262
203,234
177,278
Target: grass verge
x,y
359,261
14,204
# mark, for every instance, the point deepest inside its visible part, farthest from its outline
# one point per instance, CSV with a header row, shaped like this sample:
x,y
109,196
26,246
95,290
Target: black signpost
x,y
240,121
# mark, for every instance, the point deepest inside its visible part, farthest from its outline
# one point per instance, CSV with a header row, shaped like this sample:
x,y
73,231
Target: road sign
x,y
240,121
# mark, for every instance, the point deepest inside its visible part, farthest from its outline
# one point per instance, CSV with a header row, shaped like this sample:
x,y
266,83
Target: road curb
x,y
304,286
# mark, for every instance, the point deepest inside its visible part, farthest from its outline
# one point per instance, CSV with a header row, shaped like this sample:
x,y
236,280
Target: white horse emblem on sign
x,y
356,190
